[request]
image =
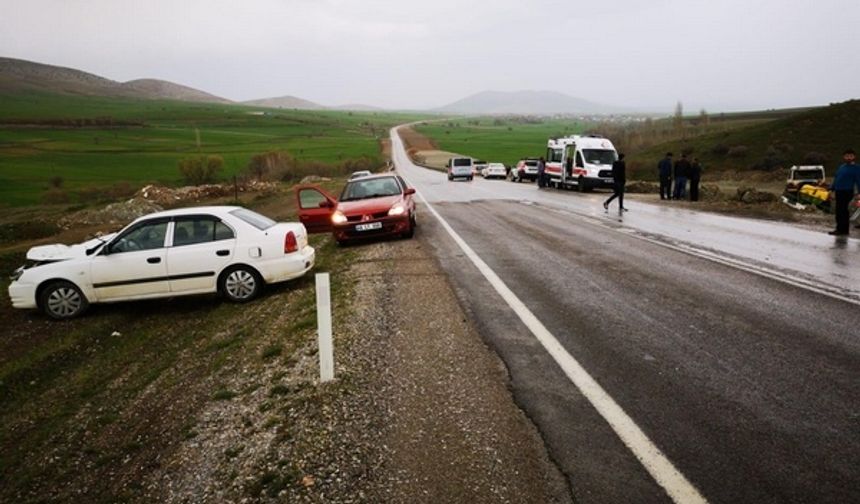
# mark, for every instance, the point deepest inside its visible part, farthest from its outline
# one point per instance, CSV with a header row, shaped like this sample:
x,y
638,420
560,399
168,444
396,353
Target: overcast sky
x,y
718,54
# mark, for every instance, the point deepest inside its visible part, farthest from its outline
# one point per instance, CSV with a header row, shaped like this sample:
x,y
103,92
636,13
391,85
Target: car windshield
x,y
260,222
808,175
370,188
462,162
531,163
599,156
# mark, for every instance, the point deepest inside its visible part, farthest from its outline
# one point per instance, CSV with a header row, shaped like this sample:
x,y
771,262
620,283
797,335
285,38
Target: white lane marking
x,y
655,462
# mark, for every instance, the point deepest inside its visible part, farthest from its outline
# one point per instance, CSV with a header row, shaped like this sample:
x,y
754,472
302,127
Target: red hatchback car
x,y
368,207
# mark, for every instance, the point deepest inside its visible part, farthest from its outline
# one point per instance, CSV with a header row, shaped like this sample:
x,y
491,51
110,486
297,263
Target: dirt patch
x,y
423,151
415,140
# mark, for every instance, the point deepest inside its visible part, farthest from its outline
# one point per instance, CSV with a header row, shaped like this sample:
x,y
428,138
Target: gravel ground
x,y
420,410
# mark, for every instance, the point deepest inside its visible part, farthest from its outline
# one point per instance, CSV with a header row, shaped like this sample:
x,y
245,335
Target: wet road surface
x,y
748,384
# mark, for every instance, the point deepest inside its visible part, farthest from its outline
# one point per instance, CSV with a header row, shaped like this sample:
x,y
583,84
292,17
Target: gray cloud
x,y
730,54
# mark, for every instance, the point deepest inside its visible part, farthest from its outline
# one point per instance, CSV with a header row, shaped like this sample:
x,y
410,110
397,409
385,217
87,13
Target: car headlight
x,y
338,217
16,275
397,210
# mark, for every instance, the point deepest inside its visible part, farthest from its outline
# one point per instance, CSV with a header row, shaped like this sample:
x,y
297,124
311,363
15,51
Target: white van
x,y
460,167
580,161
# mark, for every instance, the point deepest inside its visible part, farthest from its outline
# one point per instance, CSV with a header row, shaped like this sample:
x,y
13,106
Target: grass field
x,y
498,140
47,136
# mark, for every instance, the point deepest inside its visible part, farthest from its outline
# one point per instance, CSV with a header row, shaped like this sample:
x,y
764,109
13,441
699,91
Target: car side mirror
x,y
409,190
447,165
326,204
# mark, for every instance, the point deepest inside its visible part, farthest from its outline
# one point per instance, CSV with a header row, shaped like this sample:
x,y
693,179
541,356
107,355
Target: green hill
x,y
815,136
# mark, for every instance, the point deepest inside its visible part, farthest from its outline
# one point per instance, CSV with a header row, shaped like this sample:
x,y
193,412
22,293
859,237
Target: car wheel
x,y
240,284
62,300
410,232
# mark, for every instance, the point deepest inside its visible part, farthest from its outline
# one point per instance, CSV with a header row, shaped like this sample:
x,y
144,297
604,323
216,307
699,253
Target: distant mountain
x,y
525,102
172,91
285,102
21,75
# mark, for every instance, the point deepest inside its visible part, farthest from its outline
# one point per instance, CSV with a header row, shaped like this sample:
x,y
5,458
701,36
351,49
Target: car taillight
x,y
290,243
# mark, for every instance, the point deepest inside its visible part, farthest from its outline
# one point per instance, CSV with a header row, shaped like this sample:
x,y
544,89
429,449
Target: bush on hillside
x,y
815,158
280,165
55,196
720,149
738,151
200,170
271,165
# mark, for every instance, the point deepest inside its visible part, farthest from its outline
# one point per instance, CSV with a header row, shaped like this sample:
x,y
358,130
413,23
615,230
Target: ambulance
x,y
583,162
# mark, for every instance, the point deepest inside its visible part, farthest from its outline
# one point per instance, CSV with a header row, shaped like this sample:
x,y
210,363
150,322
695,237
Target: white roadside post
x,y
326,347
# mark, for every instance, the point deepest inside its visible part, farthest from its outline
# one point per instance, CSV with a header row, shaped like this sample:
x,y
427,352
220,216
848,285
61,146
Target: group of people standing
x,y
680,173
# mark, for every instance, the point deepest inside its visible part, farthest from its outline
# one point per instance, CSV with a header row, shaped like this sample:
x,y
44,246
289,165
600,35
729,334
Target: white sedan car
x,y
494,170
225,249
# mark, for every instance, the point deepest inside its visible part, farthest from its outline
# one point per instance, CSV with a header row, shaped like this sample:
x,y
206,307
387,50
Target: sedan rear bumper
x,y
288,267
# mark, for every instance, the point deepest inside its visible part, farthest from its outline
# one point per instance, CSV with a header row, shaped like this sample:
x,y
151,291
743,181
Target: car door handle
x,y
222,252
153,260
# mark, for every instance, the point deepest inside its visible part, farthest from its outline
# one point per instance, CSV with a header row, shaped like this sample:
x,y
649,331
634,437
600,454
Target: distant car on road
x,y
197,250
526,169
461,167
496,170
359,174
478,166
368,207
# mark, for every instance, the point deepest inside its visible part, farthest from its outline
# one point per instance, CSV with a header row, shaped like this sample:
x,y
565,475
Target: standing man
x,y
541,169
682,171
695,177
846,179
664,167
619,176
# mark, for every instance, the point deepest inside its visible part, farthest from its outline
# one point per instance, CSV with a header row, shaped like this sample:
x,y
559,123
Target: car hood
x,y
366,206
60,252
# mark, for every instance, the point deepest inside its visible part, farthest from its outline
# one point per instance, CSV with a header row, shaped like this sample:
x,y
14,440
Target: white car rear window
x,y
260,222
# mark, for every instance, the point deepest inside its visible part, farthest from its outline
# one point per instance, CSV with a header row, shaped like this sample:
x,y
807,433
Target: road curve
x,y
747,383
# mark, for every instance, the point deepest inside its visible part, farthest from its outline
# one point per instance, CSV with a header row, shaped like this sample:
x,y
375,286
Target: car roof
x,y
219,211
374,176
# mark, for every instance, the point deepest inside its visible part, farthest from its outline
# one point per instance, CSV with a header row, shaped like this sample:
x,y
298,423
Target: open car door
x,y
315,208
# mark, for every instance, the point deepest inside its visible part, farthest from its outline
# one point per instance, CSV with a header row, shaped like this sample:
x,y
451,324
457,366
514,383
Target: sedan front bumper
x,y
23,295
389,226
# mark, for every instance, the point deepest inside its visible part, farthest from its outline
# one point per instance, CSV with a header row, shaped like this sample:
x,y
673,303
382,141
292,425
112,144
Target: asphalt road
x,y
749,385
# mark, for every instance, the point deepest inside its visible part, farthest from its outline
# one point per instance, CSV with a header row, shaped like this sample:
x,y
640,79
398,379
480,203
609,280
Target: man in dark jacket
x,y
682,171
541,176
619,176
664,168
695,177
846,179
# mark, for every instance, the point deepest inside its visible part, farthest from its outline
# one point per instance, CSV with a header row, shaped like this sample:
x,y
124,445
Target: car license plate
x,y
368,227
